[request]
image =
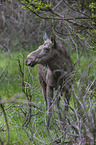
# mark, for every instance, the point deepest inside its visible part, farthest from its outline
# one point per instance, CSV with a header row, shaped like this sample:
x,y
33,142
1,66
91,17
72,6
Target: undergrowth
x,y
11,91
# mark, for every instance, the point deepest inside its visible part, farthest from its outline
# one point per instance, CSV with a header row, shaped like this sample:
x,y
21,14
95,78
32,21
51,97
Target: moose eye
x,y
46,49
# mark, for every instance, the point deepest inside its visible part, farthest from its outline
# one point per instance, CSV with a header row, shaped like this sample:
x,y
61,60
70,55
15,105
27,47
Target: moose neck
x,y
54,64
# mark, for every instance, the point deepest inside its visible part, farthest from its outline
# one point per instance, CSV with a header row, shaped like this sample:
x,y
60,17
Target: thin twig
x,y
6,121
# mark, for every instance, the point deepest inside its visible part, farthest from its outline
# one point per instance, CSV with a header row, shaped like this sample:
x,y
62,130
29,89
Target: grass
x,y
10,86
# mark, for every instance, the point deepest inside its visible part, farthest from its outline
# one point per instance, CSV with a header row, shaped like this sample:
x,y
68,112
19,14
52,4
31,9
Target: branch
x,y
6,121
1,141
75,10
60,17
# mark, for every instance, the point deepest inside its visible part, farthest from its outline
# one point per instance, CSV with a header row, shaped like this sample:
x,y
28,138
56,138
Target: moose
x,y
54,69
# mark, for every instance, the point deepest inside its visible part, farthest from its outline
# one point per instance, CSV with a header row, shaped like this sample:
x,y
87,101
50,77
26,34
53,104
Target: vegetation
x,y
16,107
22,110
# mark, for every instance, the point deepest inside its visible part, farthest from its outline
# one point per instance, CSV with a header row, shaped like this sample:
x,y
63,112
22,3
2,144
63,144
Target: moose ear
x,y
45,37
53,41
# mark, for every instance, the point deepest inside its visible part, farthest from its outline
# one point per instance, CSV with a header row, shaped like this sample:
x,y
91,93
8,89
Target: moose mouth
x,y
31,64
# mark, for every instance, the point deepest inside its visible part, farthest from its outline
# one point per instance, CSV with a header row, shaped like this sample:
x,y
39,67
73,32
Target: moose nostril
x,y
27,62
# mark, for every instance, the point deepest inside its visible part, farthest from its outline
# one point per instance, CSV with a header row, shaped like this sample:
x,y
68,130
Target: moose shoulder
x,y
54,68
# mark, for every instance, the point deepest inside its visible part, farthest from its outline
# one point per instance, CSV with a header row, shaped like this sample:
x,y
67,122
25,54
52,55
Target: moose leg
x,y
49,93
43,86
57,105
44,94
67,96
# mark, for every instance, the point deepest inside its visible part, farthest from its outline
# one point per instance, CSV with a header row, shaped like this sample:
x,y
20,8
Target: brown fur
x,y
54,68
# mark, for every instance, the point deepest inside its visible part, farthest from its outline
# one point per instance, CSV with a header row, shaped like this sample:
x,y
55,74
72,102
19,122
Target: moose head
x,y
43,54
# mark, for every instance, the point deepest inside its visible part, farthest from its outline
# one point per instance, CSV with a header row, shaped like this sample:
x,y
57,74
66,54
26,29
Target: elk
x,y
54,68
